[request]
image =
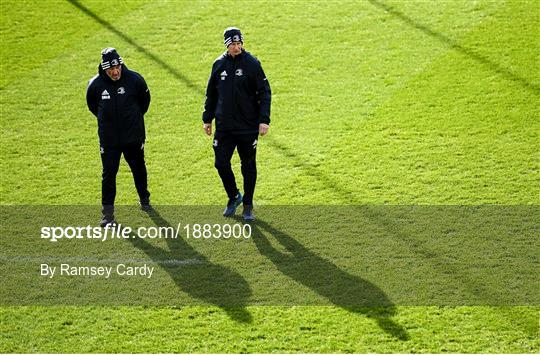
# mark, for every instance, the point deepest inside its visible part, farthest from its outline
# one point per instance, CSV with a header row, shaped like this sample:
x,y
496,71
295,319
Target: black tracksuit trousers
x,y
110,159
224,145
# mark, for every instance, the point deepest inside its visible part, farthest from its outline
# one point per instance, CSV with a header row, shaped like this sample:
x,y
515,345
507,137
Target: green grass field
x,y
374,103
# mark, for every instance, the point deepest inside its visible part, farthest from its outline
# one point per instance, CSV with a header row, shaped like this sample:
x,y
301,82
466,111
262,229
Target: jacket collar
x,y
106,77
242,54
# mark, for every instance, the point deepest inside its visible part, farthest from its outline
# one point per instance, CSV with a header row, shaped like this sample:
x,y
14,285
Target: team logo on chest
x,y
239,72
105,95
223,75
121,90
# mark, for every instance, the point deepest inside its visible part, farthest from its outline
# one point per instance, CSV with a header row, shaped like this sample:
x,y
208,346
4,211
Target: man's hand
x,y
207,128
263,128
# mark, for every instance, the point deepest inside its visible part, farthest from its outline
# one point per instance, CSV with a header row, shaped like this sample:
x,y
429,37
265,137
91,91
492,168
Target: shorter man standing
x,y
238,96
119,98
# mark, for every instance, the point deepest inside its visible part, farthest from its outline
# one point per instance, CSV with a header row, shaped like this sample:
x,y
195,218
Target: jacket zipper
x,y
234,86
116,117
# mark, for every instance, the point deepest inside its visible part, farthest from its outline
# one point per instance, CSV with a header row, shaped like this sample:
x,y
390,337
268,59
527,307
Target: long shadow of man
x,y
205,281
339,287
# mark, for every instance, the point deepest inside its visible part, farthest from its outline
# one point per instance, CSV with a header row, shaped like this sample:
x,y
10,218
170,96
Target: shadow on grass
x,y
343,194
342,289
140,48
205,281
507,74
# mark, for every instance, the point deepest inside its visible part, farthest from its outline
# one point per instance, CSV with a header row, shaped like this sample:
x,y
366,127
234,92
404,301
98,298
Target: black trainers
x,y
107,220
247,214
232,204
145,205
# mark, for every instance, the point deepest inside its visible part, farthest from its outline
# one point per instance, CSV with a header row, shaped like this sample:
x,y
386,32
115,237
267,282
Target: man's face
x,y
234,48
114,72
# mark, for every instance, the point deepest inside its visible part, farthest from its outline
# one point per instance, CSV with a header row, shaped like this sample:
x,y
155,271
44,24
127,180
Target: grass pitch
x,y
431,103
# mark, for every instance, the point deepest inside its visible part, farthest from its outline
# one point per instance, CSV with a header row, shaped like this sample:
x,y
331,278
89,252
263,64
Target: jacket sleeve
x,y
264,96
211,98
91,98
144,95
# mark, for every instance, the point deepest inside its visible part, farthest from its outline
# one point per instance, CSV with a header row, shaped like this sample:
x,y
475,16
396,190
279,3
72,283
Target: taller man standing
x,y
119,98
238,96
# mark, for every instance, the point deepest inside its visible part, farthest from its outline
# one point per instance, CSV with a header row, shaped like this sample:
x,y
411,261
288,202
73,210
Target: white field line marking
x,y
58,259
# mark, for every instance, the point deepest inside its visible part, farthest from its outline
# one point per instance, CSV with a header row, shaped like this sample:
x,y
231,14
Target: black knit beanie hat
x,y
110,58
232,34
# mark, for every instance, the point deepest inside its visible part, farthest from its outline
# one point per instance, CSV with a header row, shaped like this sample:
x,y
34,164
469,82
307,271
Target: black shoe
x,y
232,204
247,214
107,220
145,205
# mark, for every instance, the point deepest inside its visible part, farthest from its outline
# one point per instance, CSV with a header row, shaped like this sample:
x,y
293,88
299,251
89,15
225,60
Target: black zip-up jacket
x,y
238,94
119,107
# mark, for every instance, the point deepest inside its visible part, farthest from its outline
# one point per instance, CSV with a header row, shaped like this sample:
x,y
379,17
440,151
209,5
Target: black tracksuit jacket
x,y
238,94
119,107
